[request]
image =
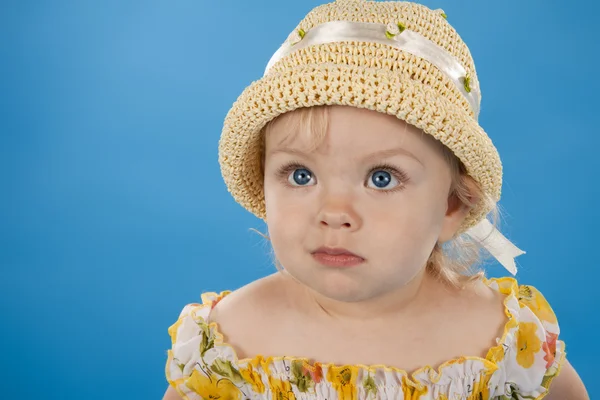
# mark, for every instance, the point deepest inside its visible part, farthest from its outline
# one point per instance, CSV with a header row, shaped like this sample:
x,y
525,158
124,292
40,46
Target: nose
x,y
339,215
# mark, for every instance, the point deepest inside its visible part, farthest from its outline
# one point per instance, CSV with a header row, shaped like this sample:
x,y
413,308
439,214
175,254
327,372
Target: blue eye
x,y
300,177
382,179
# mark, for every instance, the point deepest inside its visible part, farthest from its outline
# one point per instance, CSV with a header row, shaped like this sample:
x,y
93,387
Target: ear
x,y
456,213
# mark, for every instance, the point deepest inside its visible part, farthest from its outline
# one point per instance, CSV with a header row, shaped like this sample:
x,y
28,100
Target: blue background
x,y
113,212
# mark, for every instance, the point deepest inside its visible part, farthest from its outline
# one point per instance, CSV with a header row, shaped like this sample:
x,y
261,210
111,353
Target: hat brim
x,y
376,89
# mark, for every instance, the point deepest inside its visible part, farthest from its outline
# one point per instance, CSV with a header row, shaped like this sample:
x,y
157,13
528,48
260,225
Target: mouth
x,y
336,257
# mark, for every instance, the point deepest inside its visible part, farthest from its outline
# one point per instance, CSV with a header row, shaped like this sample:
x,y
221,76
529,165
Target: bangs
x,y
306,125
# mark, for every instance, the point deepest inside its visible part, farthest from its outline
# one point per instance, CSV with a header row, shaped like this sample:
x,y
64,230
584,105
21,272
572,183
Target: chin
x,y
339,285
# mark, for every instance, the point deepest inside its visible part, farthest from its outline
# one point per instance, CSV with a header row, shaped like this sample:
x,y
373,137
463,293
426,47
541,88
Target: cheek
x,y
279,204
287,218
412,208
408,221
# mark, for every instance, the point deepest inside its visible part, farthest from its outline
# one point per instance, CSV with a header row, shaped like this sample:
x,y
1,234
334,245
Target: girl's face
x,y
376,187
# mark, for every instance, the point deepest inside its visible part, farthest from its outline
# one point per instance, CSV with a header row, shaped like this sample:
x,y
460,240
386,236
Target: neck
x,y
404,301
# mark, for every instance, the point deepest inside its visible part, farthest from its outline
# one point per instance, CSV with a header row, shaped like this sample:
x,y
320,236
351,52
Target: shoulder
x,y
476,309
250,302
246,314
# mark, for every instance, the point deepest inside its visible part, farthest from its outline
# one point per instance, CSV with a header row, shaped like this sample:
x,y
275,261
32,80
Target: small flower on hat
x,y
441,13
296,36
467,83
393,30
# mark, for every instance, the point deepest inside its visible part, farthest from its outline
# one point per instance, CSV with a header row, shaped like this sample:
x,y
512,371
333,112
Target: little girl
x,y
361,150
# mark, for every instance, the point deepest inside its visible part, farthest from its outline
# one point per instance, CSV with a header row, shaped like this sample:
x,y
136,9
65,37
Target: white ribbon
x,y
409,41
499,246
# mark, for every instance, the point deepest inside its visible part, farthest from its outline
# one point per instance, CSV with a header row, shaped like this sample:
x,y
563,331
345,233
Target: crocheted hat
x,y
398,58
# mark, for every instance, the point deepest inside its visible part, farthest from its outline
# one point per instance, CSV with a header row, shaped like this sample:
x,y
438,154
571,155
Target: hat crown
x,y
431,24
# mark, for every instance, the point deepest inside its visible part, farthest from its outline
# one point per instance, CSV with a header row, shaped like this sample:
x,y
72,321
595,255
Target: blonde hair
x,y
454,262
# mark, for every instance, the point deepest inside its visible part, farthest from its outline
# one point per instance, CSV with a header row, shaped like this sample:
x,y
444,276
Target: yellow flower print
x,y
343,379
252,376
481,388
533,299
412,391
281,390
528,344
481,394
496,354
213,388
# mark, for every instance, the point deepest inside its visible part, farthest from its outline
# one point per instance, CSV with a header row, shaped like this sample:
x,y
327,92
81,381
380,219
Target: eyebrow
x,y
373,157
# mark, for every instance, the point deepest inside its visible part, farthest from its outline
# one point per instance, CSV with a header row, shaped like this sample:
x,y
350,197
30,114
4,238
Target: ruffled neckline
x,y
507,286
525,360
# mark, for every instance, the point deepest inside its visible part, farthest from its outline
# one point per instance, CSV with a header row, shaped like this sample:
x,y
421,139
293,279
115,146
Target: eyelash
x,y
284,171
400,175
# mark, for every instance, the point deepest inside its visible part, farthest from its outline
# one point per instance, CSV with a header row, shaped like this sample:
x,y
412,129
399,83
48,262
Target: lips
x,y
335,251
336,257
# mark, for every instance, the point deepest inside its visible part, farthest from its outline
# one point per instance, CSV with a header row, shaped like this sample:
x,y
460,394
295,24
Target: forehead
x,y
347,129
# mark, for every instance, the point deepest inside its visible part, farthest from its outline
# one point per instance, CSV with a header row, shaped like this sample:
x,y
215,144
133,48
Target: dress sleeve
x,y
190,337
552,350
199,365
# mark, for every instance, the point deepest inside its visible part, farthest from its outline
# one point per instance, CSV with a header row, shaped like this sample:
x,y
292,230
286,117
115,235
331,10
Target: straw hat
x,y
398,58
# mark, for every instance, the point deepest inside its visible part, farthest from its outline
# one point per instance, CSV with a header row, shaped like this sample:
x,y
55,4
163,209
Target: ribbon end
x,y
497,245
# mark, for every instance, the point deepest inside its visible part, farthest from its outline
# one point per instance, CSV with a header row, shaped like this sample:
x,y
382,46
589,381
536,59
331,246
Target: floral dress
x,y
521,366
